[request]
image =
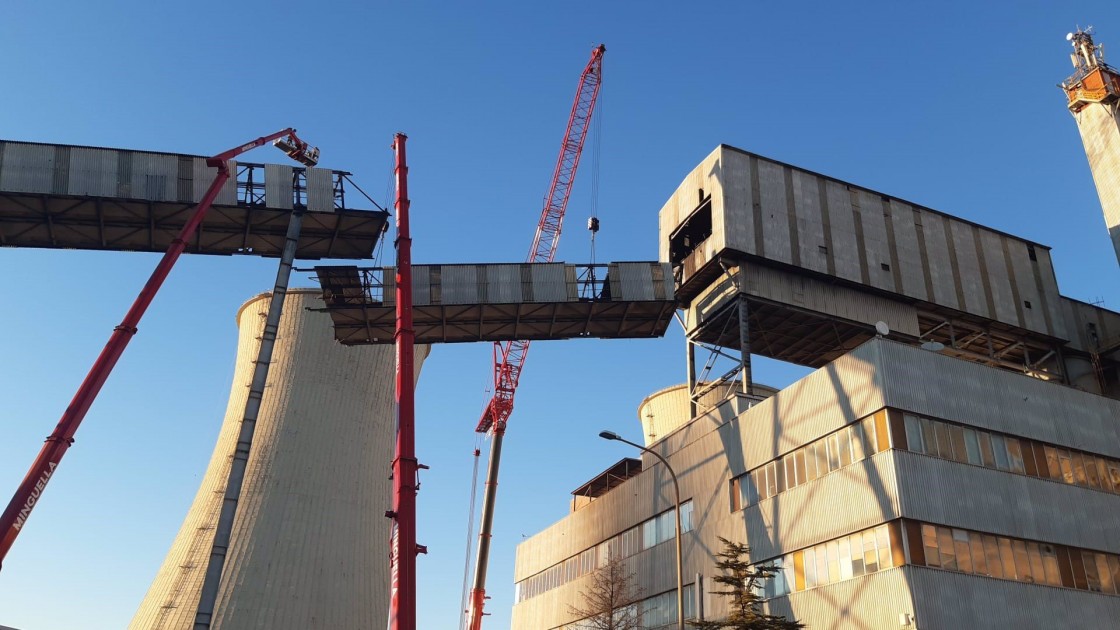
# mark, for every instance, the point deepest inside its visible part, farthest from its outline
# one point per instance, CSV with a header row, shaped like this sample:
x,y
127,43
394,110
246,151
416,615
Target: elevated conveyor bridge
x,y
503,302
73,197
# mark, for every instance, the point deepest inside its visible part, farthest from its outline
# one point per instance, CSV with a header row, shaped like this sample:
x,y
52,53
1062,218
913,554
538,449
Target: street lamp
x,y
611,435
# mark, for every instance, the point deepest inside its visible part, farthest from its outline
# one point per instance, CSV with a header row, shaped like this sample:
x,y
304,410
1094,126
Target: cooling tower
x,y
309,548
667,410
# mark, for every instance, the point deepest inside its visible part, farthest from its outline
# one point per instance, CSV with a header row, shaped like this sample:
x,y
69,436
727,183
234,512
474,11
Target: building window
x,y
850,556
630,542
844,447
1007,558
1011,454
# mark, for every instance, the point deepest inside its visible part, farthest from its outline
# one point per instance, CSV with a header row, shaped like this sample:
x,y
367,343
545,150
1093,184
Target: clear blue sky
x,y
952,105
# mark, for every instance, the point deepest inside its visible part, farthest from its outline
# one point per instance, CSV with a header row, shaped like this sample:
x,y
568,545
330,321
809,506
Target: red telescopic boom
x,y
509,357
31,489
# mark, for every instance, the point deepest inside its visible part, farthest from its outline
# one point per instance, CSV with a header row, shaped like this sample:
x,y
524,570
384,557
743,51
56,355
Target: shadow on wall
x,y
763,523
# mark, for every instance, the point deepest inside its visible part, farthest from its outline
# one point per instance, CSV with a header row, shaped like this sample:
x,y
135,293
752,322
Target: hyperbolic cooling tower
x,y
310,542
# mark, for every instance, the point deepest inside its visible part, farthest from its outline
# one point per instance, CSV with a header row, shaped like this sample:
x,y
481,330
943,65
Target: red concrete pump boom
x,y
509,357
29,491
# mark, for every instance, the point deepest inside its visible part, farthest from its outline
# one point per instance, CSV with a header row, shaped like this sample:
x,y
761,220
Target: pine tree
x,y
607,601
742,581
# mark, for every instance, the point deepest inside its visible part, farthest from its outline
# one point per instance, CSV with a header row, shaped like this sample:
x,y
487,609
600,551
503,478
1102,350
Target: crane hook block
x,y
593,224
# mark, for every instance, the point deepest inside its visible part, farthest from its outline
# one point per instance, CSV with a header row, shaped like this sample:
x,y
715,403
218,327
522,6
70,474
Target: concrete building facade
x,y
308,544
952,462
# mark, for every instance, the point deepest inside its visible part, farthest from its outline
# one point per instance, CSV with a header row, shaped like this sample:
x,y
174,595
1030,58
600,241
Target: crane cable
x,y
470,538
465,598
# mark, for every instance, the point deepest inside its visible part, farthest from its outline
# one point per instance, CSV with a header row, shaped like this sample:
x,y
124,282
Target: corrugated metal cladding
x,y
706,454
873,602
640,281
26,167
719,445
1091,328
712,450
795,217
308,541
851,499
981,499
525,282
946,599
320,190
822,297
278,186
944,387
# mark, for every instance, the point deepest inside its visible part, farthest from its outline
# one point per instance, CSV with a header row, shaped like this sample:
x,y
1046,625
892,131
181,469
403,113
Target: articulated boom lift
x,y
509,357
27,495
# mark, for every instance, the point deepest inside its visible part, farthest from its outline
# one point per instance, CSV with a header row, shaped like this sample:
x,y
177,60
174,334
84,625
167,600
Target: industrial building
x,y
953,460
307,549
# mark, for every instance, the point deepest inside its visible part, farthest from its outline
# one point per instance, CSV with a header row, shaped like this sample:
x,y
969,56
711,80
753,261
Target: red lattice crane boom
x,y
509,357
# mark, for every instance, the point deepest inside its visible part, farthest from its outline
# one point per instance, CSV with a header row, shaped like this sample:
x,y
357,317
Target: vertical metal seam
x,y
861,245
791,211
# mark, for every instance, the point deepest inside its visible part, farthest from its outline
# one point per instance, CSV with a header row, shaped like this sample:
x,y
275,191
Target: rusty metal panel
x,y
92,172
320,190
27,167
278,186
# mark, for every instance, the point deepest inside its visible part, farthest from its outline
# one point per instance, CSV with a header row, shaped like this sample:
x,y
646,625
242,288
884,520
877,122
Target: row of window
x,y
643,536
946,548
1017,455
836,450
890,428
851,556
1014,559
653,613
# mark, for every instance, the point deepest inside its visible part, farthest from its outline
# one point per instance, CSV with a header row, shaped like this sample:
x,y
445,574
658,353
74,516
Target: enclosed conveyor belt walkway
x,y
503,302
71,197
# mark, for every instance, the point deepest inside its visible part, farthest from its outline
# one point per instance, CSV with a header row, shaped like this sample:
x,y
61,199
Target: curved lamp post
x,y
611,435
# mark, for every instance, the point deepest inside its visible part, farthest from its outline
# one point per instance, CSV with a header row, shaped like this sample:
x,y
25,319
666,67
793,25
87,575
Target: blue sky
x,y
951,105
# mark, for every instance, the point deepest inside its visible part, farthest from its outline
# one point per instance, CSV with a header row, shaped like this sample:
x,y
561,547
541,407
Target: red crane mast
x,y
509,357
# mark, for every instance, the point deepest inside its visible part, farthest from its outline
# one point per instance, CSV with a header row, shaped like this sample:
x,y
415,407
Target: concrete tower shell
x,y
1099,125
667,410
310,541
